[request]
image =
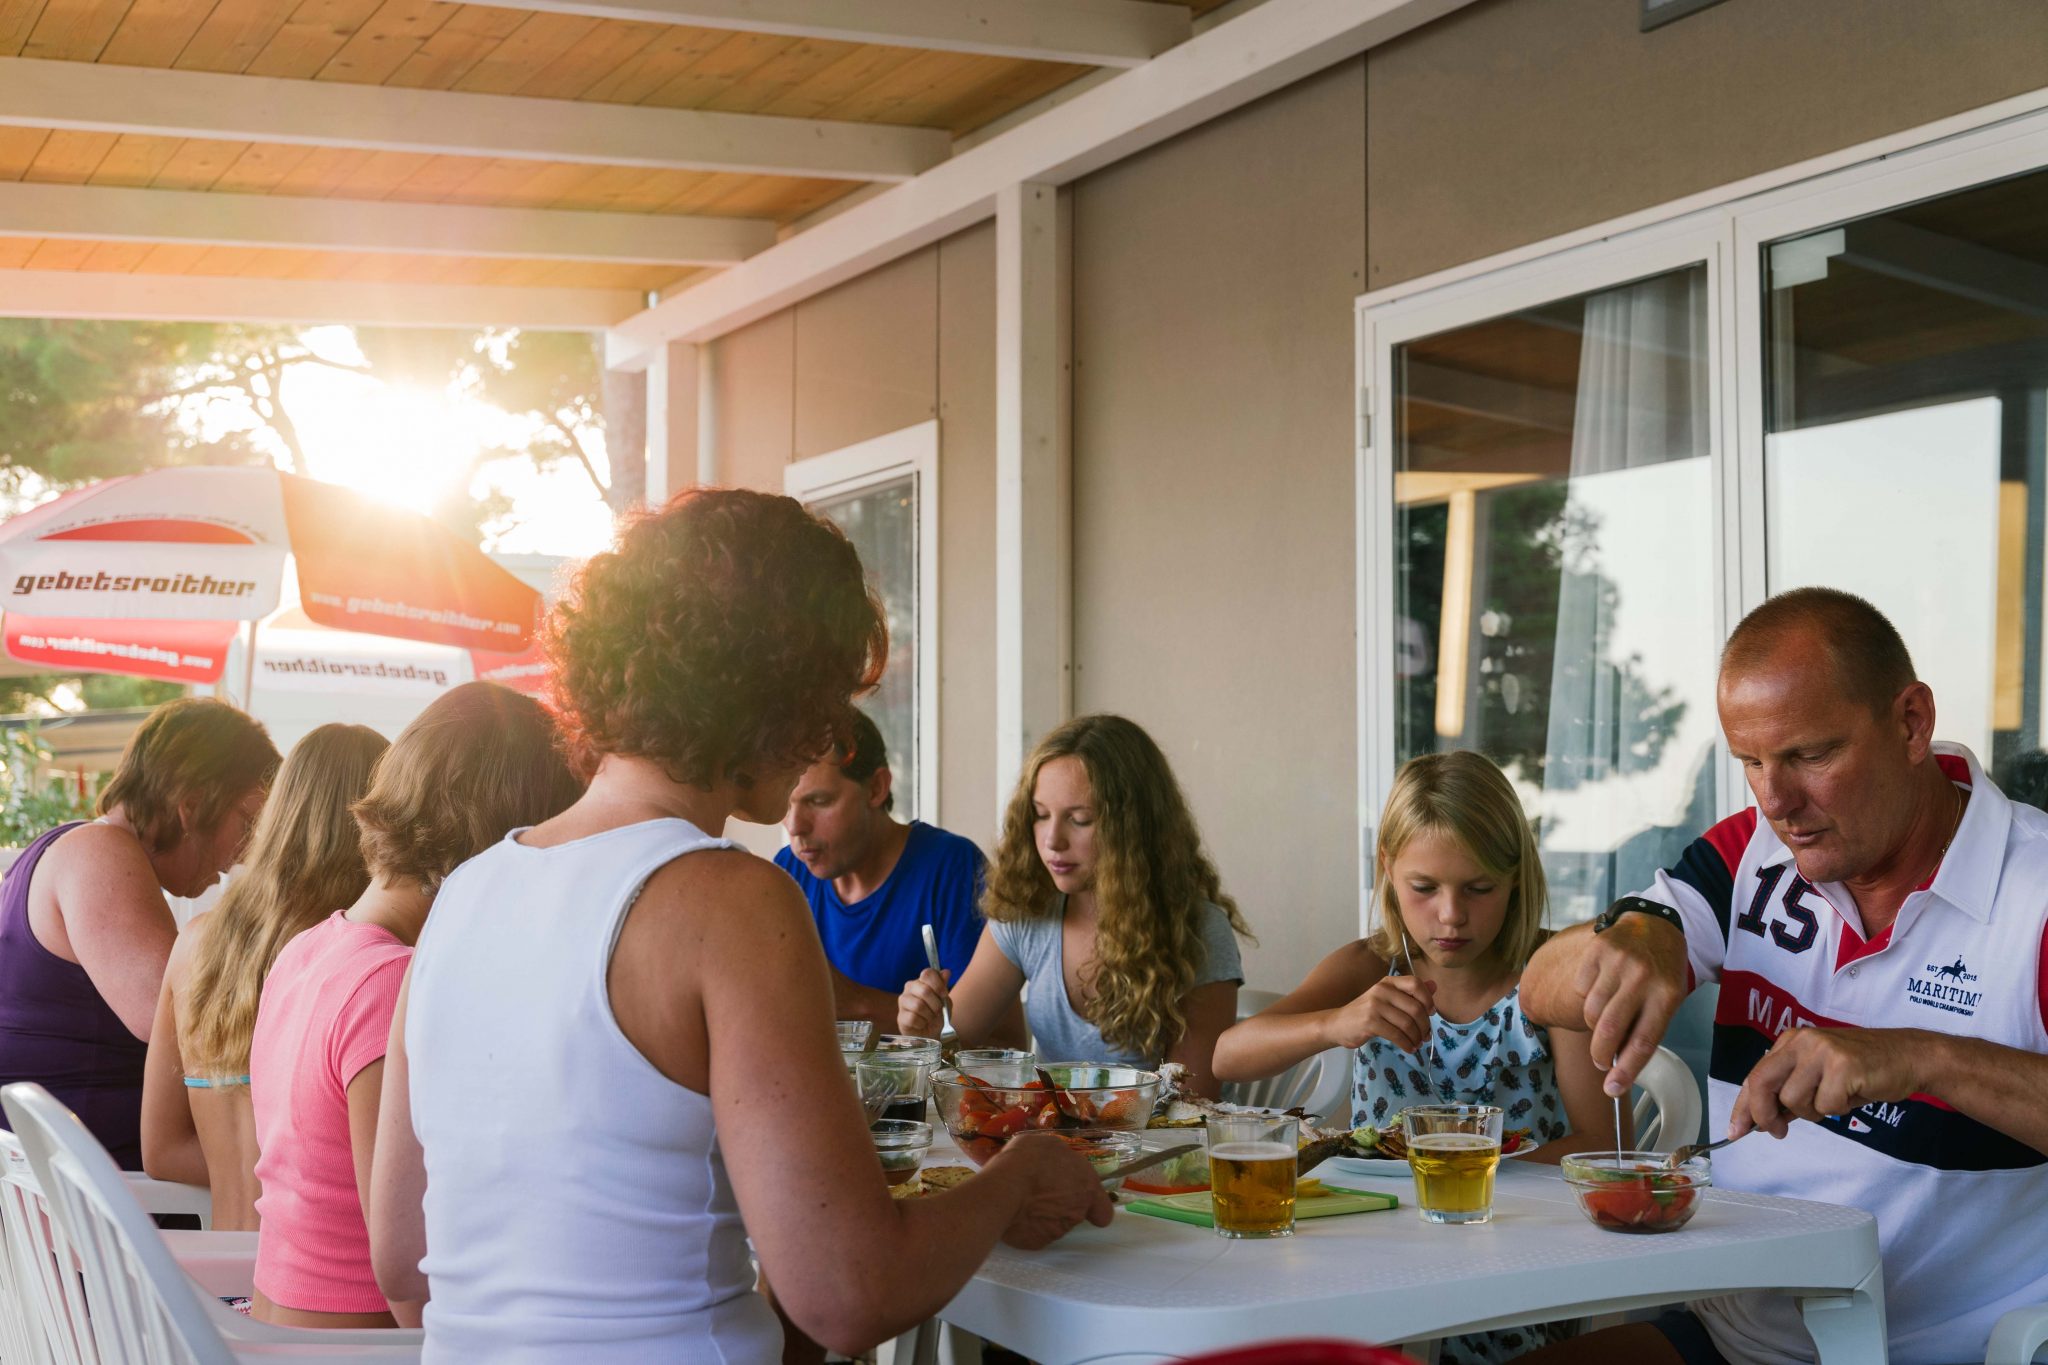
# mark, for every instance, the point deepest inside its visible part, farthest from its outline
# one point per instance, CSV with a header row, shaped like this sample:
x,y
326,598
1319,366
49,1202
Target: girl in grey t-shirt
x,y
1103,910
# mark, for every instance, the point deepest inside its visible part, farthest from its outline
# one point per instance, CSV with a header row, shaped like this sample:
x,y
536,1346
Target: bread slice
x,y
932,1180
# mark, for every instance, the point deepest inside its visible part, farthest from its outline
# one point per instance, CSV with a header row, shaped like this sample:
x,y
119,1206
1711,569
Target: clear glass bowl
x,y
1105,1148
1187,1173
1636,1191
854,1033
901,1145
982,1117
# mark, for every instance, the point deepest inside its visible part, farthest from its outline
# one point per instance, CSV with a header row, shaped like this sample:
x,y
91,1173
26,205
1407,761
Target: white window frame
x,y
1727,230
851,469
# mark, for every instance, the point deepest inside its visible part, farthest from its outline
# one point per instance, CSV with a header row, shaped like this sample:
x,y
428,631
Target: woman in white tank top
x,y
613,1064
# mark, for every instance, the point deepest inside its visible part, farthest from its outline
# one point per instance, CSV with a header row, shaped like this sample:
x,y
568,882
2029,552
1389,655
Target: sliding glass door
x,y
1553,508
1904,360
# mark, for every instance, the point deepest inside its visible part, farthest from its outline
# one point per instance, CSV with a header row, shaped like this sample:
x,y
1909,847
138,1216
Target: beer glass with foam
x,y
1453,1150
1252,1161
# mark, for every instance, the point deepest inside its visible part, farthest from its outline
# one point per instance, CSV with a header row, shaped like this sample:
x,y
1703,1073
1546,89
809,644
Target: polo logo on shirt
x,y
1943,988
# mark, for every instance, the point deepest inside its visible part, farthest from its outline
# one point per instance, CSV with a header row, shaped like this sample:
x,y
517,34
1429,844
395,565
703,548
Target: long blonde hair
x,y
1464,795
305,862
1151,879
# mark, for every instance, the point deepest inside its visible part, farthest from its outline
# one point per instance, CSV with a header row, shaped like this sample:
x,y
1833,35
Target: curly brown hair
x,y
1152,879
478,763
724,638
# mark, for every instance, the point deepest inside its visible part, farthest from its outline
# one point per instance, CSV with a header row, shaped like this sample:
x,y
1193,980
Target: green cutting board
x,y
1196,1208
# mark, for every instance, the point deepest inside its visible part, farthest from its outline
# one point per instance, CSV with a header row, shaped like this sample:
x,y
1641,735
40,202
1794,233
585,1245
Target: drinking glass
x,y
1454,1149
893,1085
1252,1159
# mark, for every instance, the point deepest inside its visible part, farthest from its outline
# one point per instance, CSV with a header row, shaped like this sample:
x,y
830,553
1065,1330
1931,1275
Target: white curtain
x,y
1641,401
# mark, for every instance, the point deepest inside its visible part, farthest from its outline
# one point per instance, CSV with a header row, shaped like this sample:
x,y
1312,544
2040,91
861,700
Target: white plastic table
x,y
1148,1290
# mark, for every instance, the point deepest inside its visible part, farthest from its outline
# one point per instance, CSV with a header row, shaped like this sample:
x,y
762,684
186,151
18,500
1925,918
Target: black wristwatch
x,y
1637,905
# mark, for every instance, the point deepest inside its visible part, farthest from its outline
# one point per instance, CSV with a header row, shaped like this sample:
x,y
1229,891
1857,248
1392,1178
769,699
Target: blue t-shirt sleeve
x,y
1219,940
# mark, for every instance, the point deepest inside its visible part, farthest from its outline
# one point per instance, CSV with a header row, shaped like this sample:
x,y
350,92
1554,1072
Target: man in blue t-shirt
x,y
873,882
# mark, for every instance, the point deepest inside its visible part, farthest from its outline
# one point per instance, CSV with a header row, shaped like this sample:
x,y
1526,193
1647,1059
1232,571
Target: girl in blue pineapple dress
x,y
1431,1002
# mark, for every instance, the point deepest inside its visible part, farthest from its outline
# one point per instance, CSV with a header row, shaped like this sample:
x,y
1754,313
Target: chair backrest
x,y
1290,1089
1667,1113
1320,1084
144,1309
42,1304
1308,1352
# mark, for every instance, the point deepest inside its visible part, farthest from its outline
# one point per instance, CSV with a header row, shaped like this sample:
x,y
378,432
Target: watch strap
x,y
1637,905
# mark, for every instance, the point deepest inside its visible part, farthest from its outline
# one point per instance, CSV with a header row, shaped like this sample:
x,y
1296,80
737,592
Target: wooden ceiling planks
x,y
440,45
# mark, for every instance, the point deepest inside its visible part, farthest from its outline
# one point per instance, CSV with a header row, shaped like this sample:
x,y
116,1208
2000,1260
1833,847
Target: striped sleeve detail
x,y
1700,886
2041,979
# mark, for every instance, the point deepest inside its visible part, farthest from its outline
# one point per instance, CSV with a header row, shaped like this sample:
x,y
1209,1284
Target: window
x,y
1905,365
1578,470
884,494
1553,578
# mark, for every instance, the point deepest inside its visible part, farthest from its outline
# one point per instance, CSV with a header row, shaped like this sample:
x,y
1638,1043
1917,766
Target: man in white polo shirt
x,y
1878,924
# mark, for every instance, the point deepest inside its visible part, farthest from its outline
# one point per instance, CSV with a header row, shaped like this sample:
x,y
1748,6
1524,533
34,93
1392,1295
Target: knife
x,y
931,957
1149,1159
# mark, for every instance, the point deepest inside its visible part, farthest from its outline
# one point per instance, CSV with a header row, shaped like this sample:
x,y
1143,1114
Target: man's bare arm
x,y
1812,1073
1624,985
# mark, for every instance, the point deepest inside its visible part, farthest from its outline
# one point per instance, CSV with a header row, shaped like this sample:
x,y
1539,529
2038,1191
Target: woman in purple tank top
x,y
84,930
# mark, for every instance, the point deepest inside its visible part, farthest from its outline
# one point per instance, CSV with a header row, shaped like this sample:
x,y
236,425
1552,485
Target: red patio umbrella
x,y
209,544
152,574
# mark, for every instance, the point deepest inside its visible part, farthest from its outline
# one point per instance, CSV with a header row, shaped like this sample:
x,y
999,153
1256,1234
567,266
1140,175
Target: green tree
x,y
90,400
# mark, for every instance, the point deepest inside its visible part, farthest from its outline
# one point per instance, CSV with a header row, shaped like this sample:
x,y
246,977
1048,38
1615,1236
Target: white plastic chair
x,y
167,1196
42,1310
144,1310
1667,1113
1320,1084
2019,1336
1291,1089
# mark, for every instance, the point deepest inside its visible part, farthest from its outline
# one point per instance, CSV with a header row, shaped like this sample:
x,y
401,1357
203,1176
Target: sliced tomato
x,y
1000,1126
1621,1203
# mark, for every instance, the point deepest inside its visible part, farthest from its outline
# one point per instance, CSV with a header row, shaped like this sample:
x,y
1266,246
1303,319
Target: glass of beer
x,y
1454,1150
1252,1160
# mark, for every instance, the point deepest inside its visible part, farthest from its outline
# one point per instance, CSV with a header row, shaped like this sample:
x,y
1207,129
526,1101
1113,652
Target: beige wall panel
x,y
1516,120
754,389
1213,280
867,359
967,533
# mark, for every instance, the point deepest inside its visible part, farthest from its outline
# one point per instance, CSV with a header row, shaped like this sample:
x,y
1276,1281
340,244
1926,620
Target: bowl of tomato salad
x,y
1636,1191
982,1115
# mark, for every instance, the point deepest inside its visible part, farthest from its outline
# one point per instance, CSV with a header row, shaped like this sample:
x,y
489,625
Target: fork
x,y
1687,1153
876,1097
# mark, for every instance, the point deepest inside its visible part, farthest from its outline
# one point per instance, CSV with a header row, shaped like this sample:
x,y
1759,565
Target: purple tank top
x,y
55,1028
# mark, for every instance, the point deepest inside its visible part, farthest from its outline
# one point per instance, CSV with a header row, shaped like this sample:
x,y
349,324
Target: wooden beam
x,y
101,213
1090,32
88,97
1230,65
206,298
1034,486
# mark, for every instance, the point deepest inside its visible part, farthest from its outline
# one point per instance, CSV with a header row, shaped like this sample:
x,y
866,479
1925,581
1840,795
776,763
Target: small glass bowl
x,y
1105,1148
854,1033
1636,1191
901,1145
1187,1173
